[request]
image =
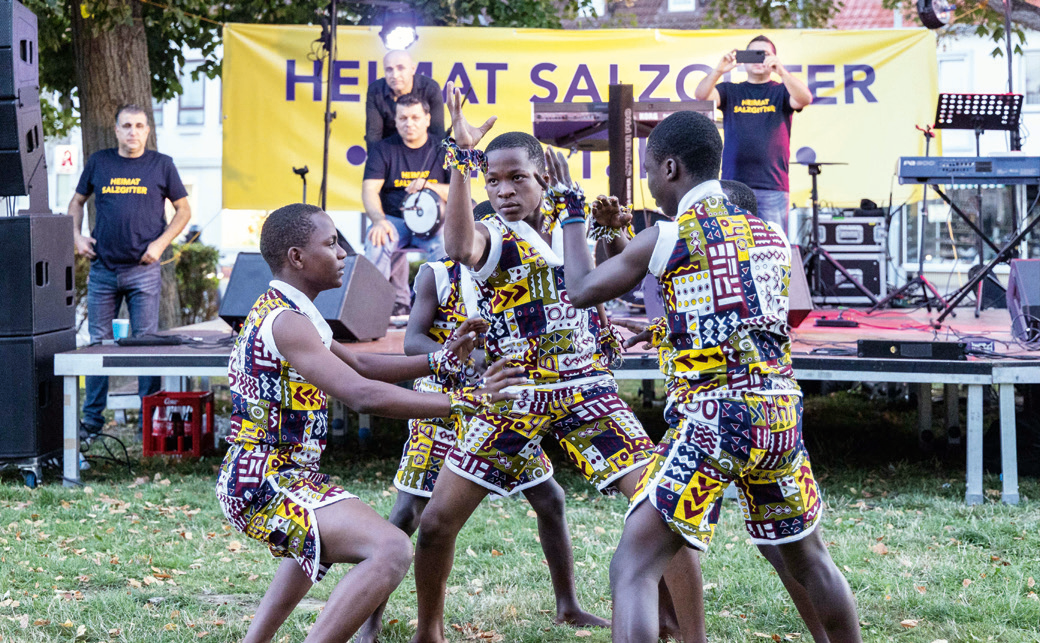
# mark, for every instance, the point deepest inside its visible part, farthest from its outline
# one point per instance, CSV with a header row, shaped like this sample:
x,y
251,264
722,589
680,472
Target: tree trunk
x,y
111,56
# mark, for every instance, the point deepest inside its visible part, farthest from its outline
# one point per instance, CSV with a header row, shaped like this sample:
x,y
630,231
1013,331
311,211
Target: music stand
x,y
980,113
814,251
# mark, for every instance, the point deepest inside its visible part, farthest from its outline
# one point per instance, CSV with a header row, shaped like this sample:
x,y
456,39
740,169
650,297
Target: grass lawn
x,y
148,556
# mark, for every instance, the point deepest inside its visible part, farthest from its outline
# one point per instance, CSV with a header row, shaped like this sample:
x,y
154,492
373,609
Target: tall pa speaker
x,y
30,394
23,167
37,276
358,310
1023,298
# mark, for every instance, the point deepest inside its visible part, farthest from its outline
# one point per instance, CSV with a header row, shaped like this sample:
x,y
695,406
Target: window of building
x,y
192,102
682,5
157,113
1031,76
597,6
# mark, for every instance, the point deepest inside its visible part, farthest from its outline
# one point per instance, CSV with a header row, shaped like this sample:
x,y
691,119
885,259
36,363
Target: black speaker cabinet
x,y
1023,298
19,67
358,310
36,274
22,158
30,394
868,268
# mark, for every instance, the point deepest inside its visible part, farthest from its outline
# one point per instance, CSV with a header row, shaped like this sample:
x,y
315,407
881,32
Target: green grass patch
x,y
148,556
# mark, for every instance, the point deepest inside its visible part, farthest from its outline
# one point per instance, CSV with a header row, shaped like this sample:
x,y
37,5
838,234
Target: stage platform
x,y
818,353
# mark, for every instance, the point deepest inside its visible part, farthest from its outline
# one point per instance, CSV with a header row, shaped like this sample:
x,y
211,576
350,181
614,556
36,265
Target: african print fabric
x,y
524,300
724,276
597,430
754,441
269,485
430,439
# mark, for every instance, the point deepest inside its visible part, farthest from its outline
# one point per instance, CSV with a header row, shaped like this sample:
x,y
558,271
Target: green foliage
x,y
174,26
197,281
777,14
982,17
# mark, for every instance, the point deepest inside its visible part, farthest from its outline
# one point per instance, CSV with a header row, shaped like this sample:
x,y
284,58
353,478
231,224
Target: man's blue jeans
x,y
773,206
141,287
391,260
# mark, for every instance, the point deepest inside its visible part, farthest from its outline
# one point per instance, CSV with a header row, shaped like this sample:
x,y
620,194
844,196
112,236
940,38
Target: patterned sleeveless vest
x,y
452,309
524,300
272,406
726,301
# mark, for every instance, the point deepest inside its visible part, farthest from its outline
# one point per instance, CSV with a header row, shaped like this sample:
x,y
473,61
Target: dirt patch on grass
x,y
249,602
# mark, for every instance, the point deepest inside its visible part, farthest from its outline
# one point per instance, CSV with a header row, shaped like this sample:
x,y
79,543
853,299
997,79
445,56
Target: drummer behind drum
x,y
404,171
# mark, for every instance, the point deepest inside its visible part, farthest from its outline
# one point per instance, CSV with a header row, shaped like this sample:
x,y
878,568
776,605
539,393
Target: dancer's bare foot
x,y
580,618
369,632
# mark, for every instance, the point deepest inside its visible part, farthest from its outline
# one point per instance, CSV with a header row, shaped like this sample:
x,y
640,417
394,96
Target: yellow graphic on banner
x,y
870,88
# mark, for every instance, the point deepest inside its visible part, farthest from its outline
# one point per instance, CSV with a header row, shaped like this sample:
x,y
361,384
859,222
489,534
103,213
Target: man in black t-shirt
x,y
756,123
130,185
399,79
403,164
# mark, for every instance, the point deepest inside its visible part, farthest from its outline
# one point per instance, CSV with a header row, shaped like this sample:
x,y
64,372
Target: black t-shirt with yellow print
x,y
398,165
756,122
130,202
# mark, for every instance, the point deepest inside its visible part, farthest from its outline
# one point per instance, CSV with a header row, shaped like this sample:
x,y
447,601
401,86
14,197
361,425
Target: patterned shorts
x,y
595,427
754,441
280,512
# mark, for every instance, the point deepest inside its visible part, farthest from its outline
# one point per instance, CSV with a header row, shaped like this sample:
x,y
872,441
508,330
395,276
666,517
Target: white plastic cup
x,y
120,328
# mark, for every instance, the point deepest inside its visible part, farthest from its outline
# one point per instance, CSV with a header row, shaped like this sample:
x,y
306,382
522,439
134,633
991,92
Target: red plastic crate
x,y
164,434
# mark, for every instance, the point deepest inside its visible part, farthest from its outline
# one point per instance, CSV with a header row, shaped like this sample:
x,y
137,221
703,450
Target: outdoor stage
x,y
818,353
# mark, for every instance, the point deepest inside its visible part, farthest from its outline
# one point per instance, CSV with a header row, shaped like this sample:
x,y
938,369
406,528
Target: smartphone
x,y
751,56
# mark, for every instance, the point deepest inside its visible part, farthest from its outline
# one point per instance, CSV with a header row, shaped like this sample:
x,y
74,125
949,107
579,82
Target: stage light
x,y
398,30
934,14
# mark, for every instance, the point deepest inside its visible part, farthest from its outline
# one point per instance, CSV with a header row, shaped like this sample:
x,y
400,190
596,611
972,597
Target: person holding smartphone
x,y
756,121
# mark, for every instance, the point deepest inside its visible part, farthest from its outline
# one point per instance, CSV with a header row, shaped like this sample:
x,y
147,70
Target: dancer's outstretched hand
x,y
558,169
466,135
607,211
499,376
641,330
465,337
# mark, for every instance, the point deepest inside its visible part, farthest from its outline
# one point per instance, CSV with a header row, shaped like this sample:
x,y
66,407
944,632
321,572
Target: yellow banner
x,y
870,87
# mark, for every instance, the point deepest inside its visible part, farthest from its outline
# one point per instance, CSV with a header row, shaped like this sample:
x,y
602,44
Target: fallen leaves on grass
x,y
582,633
880,549
471,632
909,623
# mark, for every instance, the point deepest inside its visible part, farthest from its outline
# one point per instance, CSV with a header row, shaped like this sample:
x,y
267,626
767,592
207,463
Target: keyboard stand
x,y
988,268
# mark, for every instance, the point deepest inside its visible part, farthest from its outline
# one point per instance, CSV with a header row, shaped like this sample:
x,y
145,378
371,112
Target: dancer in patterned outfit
x,y
444,294
573,398
283,363
733,405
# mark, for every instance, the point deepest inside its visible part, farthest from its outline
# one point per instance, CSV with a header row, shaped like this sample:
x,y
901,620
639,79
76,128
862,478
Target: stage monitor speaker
x,y
358,310
1023,298
22,158
37,280
30,393
798,295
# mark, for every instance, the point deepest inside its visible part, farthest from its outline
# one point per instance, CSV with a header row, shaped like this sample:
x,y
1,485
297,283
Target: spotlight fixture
x,y
398,30
934,14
